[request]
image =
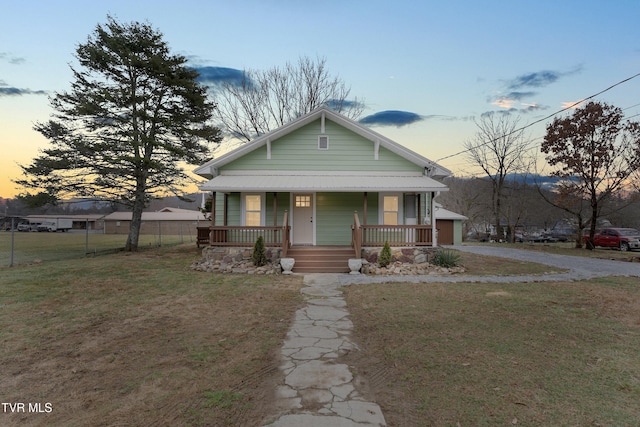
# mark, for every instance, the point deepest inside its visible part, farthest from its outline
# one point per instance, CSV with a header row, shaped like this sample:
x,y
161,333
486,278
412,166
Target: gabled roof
x,y
442,213
209,169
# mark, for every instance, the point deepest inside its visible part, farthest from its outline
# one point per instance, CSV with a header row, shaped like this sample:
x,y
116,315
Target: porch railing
x,y
229,235
396,235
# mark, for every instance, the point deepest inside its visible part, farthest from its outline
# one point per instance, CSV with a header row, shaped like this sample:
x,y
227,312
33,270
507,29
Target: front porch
x,y
362,235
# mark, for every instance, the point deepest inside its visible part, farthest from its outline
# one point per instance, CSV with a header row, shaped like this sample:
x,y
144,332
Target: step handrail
x,y
356,235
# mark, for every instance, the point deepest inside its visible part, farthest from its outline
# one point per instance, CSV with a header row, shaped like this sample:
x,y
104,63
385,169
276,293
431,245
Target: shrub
x,y
446,258
259,256
385,255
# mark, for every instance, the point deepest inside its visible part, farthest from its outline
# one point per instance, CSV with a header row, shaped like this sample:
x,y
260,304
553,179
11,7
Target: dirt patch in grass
x,y
489,354
139,339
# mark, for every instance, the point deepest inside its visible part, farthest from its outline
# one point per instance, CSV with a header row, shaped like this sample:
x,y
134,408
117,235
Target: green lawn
x,y
36,247
537,354
141,339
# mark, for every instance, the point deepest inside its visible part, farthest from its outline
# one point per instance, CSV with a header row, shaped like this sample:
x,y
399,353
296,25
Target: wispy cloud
x,y
523,109
391,118
219,75
344,104
535,79
516,90
6,90
572,104
405,118
11,59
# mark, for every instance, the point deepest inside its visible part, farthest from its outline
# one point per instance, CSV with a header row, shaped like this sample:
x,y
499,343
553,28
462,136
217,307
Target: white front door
x,y
302,229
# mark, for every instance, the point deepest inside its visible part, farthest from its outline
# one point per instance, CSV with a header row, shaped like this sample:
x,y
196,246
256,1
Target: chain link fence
x,y
30,246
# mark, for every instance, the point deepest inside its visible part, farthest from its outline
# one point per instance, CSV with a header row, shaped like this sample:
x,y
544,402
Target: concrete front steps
x,y
321,259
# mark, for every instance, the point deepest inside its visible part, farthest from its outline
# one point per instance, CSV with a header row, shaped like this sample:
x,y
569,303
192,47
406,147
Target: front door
x,y
302,229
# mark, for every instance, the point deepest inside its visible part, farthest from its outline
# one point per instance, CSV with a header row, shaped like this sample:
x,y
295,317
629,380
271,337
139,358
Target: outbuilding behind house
x,y
167,221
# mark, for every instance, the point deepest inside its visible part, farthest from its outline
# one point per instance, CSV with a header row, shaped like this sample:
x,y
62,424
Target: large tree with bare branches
x,y
595,151
265,100
501,149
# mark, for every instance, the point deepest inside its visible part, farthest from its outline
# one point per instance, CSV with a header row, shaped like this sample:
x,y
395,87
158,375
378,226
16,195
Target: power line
x,y
544,118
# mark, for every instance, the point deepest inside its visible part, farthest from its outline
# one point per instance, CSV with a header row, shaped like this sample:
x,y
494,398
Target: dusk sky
x,y
424,69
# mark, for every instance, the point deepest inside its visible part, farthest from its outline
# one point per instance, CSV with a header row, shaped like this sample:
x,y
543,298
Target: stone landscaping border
x,y
405,262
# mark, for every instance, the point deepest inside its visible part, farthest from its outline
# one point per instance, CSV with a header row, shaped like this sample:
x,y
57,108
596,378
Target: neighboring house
x,y
323,180
167,221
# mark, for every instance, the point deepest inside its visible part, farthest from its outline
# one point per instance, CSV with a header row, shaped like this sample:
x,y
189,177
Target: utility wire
x,y
542,119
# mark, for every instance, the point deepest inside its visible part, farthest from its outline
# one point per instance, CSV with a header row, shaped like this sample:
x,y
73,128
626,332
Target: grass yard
x,y
539,354
29,248
480,265
140,339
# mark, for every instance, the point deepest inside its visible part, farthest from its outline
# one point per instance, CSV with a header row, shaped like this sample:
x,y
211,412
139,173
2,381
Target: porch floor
x,y
321,259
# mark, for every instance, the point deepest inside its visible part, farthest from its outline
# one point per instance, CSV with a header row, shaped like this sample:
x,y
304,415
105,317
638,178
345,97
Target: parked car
x,y
541,238
622,238
24,227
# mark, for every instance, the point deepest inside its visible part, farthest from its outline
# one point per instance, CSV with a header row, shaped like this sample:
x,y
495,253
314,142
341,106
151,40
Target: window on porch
x,y
252,210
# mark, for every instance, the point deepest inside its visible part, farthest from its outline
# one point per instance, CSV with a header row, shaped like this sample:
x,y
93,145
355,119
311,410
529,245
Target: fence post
x,y
13,230
86,237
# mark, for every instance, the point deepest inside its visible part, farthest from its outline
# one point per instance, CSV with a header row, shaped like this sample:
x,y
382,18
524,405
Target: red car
x,y
622,238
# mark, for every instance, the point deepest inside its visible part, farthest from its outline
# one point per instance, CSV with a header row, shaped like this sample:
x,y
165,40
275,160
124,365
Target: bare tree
x,y
467,196
266,100
500,149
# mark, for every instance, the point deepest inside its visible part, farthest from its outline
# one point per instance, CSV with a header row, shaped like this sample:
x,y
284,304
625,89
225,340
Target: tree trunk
x,y
136,218
594,220
580,233
497,210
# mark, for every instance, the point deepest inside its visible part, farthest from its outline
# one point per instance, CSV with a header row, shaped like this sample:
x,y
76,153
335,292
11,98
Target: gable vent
x,y
323,142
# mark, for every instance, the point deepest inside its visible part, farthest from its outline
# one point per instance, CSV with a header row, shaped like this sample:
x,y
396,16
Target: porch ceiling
x,y
332,183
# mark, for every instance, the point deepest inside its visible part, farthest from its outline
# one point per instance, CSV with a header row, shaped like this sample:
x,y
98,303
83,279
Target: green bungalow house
x,y
323,180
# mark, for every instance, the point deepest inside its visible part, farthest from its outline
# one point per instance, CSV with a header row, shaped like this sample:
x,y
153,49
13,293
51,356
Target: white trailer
x,y
57,224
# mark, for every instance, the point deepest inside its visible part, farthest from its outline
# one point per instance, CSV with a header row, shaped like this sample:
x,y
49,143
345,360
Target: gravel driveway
x,y
579,268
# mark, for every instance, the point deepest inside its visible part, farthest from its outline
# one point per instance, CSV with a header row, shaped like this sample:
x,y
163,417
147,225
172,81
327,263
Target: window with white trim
x,y
252,210
390,210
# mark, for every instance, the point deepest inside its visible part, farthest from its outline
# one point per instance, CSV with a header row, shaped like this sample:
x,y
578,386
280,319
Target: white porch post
x,y
434,230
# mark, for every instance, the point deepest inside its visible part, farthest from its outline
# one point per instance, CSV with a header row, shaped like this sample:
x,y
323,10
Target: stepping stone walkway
x,y
318,391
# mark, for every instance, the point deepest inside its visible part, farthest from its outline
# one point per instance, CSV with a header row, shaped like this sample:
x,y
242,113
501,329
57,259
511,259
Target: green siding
x,y
457,232
298,150
334,216
233,209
